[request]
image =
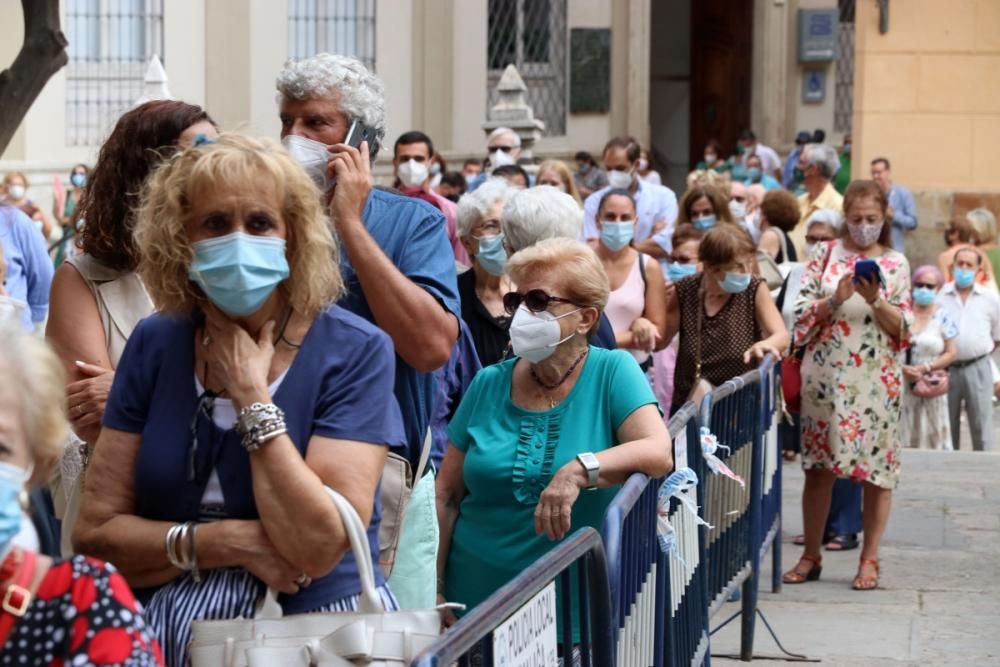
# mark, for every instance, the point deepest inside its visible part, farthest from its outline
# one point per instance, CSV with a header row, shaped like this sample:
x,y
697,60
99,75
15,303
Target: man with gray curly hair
x,y
396,259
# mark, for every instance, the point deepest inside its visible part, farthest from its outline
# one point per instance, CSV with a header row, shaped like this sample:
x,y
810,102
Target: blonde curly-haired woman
x,y
241,398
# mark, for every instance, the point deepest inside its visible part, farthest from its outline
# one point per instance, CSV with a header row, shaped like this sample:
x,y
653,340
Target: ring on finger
x,y
303,580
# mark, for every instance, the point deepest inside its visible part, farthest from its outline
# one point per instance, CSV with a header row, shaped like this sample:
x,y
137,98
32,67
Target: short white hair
x,y
823,156
476,205
826,216
985,224
540,213
501,131
359,93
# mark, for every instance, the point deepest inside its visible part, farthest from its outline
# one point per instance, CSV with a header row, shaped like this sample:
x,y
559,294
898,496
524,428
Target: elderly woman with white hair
x,y
535,431
985,224
481,288
540,213
239,401
75,611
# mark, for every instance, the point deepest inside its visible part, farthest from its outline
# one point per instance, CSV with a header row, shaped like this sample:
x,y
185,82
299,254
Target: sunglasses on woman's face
x,y
925,285
535,300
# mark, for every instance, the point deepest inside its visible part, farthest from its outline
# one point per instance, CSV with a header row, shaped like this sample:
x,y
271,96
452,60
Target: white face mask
x,y
643,165
535,336
498,158
738,209
15,191
412,174
620,180
312,155
12,310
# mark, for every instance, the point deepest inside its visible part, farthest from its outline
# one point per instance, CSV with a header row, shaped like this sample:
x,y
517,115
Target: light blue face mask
x,y
616,235
678,271
734,283
964,278
754,174
492,255
78,180
704,223
924,296
12,481
238,272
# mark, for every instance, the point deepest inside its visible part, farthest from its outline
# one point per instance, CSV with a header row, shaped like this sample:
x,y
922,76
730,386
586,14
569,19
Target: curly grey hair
x,y
359,93
823,156
476,205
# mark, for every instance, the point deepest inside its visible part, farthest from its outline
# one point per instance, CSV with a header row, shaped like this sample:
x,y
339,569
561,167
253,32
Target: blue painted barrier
x,y
740,413
659,609
581,555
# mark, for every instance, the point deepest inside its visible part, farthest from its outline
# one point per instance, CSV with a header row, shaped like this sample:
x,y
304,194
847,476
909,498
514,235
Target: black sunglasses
x,y
505,149
536,300
925,285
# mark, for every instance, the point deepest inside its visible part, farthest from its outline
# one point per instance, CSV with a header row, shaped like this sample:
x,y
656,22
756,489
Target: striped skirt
x,y
222,594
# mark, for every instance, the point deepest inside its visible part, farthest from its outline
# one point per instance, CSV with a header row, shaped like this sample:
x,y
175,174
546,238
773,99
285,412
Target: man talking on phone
x,y
398,266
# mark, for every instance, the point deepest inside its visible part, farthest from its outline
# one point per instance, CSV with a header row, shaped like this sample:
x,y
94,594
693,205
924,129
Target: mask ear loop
x,y
23,499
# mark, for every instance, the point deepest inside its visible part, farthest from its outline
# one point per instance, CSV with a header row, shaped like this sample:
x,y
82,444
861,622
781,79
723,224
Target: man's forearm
x,y
422,331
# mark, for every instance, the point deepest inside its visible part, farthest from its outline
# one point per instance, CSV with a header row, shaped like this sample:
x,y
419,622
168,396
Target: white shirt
x,y
653,203
769,160
224,416
978,319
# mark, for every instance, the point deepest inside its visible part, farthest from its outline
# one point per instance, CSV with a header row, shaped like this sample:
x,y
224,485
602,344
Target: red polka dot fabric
x,y
83,613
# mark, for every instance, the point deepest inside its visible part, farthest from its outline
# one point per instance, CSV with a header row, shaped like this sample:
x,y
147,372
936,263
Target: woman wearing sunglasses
x,y
535,432
932,349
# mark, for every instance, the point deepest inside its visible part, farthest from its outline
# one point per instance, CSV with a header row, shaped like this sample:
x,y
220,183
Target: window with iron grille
x,y
110,45
844,90
344,27
531,35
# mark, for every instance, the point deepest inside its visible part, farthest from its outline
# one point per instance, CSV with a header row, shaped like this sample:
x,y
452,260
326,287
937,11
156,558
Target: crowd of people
x,y
236,324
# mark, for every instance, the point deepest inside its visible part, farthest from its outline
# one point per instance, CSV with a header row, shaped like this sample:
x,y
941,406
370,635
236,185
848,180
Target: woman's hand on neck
x,y
272,310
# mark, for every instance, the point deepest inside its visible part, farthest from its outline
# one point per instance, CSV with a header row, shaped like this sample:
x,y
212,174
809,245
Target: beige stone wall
x,y
927,96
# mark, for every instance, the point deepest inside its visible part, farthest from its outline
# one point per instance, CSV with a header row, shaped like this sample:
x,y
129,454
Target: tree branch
x,y
42,54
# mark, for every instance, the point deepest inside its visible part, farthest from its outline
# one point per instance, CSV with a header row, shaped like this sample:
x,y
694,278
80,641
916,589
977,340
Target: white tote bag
x,y
370,636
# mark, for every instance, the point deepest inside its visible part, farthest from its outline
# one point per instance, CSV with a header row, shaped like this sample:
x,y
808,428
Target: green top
x,y
843,177
993,254
511,455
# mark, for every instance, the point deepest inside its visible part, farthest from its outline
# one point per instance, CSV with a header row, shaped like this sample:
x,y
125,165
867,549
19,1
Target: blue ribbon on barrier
x,y
709,445
673,487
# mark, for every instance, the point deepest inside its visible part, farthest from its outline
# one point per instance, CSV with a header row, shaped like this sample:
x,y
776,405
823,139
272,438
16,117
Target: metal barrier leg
x,y
776,544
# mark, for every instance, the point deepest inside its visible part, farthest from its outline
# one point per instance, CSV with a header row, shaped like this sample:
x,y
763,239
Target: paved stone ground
x,y
939,601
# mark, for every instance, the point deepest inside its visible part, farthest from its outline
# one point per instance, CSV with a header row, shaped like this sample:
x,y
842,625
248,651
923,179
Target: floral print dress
x,y
852,378
927,418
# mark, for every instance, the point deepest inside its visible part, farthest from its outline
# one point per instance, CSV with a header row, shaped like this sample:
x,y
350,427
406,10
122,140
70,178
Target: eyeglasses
x,y
816,239
505,149
925,286
536,301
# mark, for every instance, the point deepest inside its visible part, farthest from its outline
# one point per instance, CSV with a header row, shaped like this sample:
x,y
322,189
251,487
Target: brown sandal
x,y
794,576
868,583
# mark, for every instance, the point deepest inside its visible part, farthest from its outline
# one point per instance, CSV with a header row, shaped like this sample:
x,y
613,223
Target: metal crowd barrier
x,y
659,609
738,413
470,641
770,504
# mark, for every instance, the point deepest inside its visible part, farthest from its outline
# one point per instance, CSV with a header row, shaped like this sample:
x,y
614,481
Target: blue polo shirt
x,y
338,386
412,234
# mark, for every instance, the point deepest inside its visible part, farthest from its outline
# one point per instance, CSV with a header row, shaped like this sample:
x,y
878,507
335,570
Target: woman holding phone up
x,y
853,319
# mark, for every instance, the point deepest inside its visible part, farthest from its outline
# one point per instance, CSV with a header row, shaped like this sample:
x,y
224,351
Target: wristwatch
x,y
592,466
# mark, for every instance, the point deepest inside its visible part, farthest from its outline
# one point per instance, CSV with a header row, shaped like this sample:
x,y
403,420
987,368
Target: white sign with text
x,y
528,638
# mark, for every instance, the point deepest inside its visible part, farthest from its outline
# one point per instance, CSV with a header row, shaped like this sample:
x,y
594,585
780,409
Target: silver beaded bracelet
x,y
258,423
